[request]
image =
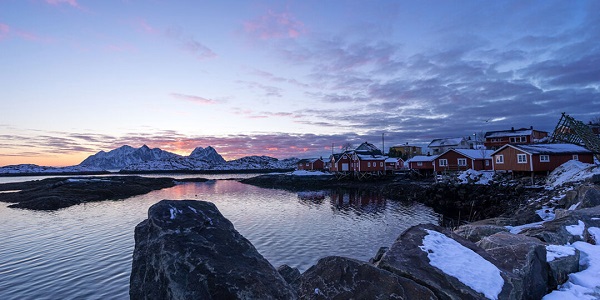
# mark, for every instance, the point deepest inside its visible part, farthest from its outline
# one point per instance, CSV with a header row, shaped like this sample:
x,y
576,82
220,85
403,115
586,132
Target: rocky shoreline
x,y
56,193
187,249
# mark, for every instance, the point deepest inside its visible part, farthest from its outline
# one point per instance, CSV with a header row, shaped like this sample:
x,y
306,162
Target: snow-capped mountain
x,y
125,156
208,154
34,169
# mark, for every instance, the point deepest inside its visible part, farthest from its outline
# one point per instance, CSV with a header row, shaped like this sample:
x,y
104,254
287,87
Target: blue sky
x,y
285,78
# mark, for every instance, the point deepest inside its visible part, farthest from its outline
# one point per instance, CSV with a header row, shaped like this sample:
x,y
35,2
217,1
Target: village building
x,y
422,164
462,160
538,158
439,146
393,164
363,162
496,139
405,151
311,164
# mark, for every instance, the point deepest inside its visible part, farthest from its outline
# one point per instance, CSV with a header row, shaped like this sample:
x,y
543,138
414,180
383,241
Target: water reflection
x,y
346,200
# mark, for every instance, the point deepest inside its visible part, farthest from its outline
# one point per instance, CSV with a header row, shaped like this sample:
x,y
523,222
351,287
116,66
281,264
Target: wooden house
x,y
405,151
538,157
463,159
311,164
523,136
363,162
439,146
394,163
422,163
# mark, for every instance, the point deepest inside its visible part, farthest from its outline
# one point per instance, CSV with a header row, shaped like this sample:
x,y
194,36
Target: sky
x,y
285,78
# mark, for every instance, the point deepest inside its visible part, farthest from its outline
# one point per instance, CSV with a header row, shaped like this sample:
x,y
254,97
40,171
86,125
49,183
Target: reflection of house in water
x,y
365,201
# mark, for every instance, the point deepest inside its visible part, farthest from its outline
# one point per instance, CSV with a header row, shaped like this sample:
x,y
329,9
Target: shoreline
x,y
122,172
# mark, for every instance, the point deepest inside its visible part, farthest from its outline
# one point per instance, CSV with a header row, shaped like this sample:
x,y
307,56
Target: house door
x,y
345,167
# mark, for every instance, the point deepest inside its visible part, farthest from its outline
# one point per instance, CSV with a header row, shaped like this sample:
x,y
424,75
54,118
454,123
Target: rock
x,y
475,233
524,256
344,278
378,255
187,250
595,179
499,221
291,275
561,267
554,232
481,277
585,196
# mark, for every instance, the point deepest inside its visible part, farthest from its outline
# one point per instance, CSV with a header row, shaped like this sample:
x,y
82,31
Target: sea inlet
x,y
85,251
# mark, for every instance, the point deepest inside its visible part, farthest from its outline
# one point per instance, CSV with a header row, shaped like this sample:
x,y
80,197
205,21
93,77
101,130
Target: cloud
x,y
194,99
274,25
4,31
59,2
189,44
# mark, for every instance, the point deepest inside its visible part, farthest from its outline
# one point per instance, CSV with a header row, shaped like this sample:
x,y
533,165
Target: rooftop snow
x,y
422,158
445,142
552,148
508,133
475,153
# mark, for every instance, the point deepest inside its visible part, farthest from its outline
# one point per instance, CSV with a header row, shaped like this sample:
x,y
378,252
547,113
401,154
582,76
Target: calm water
x,y
84,252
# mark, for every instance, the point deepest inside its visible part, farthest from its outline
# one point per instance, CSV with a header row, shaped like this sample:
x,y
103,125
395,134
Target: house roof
x,y
422,158
368,148
548,149
371,157
447,142
474,153
311,160
510,132
392,159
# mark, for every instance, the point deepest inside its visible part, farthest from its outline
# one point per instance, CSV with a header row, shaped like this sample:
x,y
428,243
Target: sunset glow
x,y
285,79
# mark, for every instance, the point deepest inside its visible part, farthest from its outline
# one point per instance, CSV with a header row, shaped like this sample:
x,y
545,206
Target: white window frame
x,y
487,163
419,163
369,164
443,162
544,158
521,158
575,156
462,162
381,164
499,158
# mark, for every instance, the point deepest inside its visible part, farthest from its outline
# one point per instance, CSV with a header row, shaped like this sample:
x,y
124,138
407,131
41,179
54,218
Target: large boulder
x,y
451,266
344,278
562,261
475,233
585,196
568,226
524,256
187,250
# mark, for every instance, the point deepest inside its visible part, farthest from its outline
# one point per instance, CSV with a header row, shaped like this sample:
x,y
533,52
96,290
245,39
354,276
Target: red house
x,y
463,159
539,157
422,163
311,164
497,139
394,163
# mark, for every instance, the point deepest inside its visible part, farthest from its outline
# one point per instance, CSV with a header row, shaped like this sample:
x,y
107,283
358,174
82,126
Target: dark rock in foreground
x,y
57,193
408,259
344,278
188,250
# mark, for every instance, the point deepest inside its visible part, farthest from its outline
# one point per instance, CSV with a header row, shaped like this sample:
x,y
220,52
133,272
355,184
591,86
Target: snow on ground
x,y
477,177
576,229
309,173
518,229
453,258
585,284
571,171
557,251
594,234
546,213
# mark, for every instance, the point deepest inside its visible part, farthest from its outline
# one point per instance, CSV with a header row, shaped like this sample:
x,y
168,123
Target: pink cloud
x,y
198,50
145,27
195,99
4,31
58,2
275,26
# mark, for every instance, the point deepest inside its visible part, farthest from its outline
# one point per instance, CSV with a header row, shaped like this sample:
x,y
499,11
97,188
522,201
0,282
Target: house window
x,y
487,163
544,158
521,158
307,164
443,162
420,163
462,161
368,164
500,159
575,157
381,164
